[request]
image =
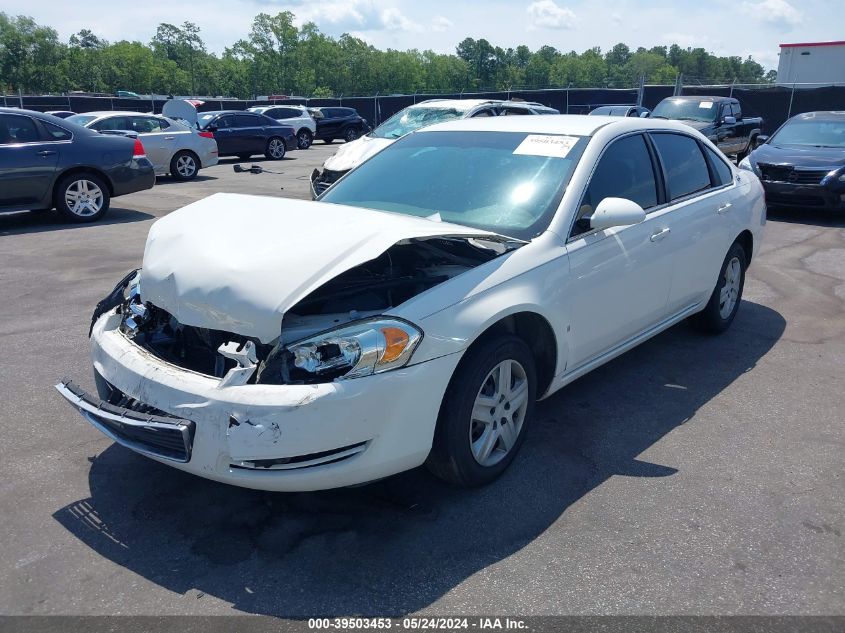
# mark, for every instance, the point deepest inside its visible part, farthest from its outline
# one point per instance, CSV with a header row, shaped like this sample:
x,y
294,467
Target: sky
x,y
723,27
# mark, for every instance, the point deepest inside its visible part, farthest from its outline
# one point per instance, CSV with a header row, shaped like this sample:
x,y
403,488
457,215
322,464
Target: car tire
x,y
351,134
304,138
184,166
275,149
82,197
471,447
723,305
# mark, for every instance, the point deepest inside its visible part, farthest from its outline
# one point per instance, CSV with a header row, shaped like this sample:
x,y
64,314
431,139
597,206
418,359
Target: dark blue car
x,y
46,162
243,134
803,163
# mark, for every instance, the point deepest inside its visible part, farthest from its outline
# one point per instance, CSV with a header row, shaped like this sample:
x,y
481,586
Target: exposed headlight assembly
x,y
358,349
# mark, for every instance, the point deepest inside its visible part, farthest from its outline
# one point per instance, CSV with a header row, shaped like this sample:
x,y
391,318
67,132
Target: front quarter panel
x,y
532,279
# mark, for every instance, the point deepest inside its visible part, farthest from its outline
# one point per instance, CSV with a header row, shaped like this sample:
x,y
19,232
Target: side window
x,y
722,173
737,111
223,122
515,111
623,171
684,164
17,129
56,133
246,120
487,112
112,123
145,124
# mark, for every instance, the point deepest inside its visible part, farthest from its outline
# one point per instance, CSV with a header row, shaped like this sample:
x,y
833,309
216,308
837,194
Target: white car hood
x,y
237,263
350,155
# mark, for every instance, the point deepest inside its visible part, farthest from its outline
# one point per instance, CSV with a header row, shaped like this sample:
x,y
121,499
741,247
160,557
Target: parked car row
x,y
409,120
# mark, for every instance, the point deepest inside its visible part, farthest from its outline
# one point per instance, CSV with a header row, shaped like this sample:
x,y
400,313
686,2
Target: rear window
x,y
55,132
684,164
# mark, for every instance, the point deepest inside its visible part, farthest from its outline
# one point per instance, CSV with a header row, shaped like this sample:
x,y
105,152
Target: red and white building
x,y
813,63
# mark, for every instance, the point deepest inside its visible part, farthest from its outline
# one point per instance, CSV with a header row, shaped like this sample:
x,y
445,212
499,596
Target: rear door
x,y
699,192
252,131
28,159
620,276
159,144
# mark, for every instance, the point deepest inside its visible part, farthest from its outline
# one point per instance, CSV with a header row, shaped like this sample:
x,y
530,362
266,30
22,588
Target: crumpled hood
x,y
237,263
350,155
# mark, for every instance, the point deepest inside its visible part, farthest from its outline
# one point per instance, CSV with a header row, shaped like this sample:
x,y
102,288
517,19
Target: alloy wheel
x,y
277,148
498,412
730,291
84,198
186,166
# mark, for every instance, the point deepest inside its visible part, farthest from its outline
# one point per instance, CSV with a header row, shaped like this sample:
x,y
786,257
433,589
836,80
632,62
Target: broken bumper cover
x,y
273,437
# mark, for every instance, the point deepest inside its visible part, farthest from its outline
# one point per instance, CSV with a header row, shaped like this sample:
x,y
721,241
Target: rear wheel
x,y
184,166
275,148
485,413
82,198
304,138
723,305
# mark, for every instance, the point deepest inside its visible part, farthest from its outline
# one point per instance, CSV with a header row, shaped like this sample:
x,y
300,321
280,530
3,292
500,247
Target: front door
x,y
619,277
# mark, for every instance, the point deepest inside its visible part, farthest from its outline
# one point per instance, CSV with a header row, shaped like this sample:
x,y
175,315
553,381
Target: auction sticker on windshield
x,y
705,105
546,145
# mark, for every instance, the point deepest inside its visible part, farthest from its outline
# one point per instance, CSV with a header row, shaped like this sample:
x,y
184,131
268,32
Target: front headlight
x,y
747,165
359,349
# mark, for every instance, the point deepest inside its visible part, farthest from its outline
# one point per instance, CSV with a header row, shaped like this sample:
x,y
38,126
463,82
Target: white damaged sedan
x,y
416,311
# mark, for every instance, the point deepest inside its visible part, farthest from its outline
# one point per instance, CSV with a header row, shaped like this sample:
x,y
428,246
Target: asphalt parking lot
x,y
693,475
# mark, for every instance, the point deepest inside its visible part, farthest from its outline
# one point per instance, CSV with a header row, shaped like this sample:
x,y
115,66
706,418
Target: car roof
x,y
574,124
822,115
110,113
700,98
459,104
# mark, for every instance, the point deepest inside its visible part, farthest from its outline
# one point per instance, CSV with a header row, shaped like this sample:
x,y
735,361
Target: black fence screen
x,y
775,104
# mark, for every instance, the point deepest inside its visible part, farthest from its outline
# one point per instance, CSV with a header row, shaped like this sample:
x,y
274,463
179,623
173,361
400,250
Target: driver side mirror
x,y
759,140
729,120
612,212
211,128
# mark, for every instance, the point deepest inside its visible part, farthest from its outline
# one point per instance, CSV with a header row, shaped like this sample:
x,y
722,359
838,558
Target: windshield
x,y
81,119
686,110
811,132
504,182
414,118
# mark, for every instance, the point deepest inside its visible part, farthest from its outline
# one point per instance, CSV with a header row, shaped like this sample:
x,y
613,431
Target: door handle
x,y
46,152
659,235
724,208
169,138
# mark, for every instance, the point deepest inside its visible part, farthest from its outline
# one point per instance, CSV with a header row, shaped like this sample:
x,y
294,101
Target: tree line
x,y
277,57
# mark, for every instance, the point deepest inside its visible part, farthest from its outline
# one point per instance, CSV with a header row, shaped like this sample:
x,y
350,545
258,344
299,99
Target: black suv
x,y
334,123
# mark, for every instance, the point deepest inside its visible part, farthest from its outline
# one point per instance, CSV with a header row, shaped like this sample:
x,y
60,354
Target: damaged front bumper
x,y
270,437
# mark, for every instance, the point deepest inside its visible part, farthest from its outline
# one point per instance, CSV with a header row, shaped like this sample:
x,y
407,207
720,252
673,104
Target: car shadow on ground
x,y
396,546
170,180
40,221
816,217
266,162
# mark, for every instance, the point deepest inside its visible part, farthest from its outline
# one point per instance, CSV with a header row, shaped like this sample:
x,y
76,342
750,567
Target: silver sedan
x,y
171,146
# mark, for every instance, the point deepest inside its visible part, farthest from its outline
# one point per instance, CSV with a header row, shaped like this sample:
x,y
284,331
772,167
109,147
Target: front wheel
x,y
723,305
350,135
82,198
275,149
485,413
184,166
304,139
